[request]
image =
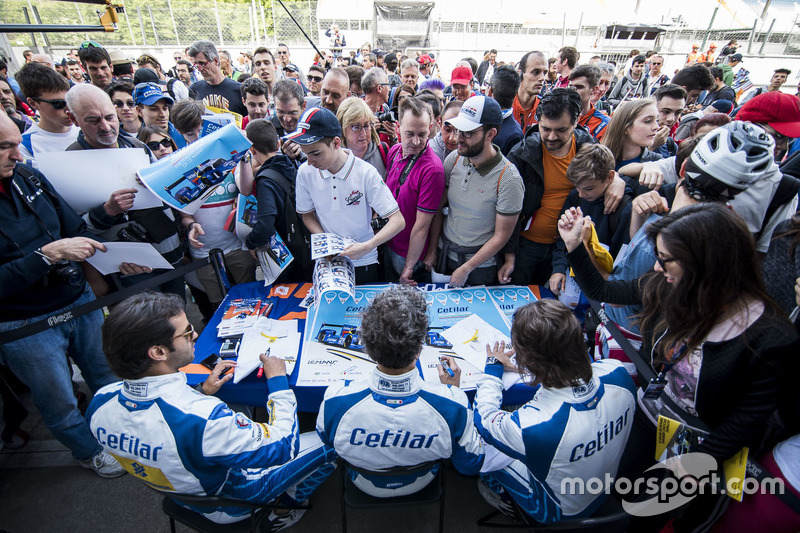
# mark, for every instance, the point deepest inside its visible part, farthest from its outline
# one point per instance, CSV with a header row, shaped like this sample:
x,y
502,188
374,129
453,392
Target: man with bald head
x,y
42,245
90,109
43,59
335,88
533,67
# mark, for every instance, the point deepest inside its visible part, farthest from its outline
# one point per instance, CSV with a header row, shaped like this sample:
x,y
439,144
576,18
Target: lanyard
x,y
407,170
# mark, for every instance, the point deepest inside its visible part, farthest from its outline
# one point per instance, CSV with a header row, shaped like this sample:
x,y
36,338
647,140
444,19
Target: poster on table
x,y
111,170
186,178
509,298
332,349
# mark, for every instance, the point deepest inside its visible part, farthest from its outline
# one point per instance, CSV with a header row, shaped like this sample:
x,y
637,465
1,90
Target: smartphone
x,y
211,362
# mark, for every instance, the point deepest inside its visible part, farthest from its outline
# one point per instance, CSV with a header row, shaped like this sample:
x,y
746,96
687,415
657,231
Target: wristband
x,y
45,258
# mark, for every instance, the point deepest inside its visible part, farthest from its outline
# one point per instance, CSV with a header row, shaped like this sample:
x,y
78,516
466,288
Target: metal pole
x,y
32,36
141,26
37,20
128,22
174,26
264,21
563,29
764,11
710,24
253,24
80,18
219,26
752,36
301,28
274,24
766,39
578,34
153,22
44,35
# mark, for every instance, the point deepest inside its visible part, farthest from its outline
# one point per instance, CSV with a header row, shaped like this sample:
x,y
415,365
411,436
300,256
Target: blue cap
x,y
149,94
316,124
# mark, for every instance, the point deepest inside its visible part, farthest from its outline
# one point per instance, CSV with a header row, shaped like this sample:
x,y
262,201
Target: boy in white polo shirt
x,y
336,192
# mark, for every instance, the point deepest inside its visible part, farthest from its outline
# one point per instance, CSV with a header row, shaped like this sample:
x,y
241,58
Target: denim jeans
x,y
39,361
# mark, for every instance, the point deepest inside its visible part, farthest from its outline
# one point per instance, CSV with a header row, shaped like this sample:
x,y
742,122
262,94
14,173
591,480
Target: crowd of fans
x,y
671,200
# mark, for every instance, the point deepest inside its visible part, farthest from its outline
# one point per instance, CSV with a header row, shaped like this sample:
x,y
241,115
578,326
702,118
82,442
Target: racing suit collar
x,y
395,385
151,387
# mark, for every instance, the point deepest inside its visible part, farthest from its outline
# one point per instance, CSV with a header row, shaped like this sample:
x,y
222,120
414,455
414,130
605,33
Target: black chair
x,y
432,493
609,518
197,522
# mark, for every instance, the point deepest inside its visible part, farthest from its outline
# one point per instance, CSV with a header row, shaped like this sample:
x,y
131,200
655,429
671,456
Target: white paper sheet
x,y
138,253
280,337
470,336
86,178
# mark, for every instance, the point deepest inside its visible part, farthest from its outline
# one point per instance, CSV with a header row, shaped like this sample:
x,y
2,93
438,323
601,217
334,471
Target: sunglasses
x,y
188,333
281,52
314,78
90,44
127,103
662,261
201,64
57,104
166,142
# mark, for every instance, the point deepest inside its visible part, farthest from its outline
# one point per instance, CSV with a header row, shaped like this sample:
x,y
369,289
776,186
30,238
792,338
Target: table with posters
x,y
286,300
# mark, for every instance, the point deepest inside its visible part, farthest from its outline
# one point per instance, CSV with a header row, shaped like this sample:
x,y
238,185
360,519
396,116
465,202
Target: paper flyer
x,y
509,298
333,278
274,259
212,123
325,244
138,253
111,170
186,178
281,338
217,111
246,212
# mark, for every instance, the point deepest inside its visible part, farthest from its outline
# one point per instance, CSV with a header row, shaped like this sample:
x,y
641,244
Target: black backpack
x,y
293,232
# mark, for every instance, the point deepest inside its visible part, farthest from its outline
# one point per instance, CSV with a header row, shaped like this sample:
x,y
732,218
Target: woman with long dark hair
x,y
709,327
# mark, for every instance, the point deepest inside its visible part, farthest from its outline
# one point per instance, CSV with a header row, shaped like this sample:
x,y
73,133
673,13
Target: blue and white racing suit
x,y
576,432
390,421
175,438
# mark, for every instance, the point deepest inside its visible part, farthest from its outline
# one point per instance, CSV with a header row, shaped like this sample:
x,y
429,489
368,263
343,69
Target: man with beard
x,y
289,106
483,200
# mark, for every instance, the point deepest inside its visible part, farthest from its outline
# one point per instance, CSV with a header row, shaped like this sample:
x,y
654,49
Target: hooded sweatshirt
x,y
271,201
628,88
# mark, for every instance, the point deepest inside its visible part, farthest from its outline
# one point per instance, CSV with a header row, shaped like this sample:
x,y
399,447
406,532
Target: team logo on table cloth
x,y
241,421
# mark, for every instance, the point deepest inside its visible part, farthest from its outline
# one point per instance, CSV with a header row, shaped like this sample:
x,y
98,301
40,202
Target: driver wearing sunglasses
x,y
46,91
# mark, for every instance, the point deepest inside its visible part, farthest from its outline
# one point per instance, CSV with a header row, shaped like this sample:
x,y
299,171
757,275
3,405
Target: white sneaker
x,y
104,465
279,522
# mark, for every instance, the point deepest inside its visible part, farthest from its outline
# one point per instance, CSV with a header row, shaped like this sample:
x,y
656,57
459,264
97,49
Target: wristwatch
x,y
493,361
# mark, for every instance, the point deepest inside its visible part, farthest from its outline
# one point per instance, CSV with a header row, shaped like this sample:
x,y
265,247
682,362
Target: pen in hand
x,y
446,367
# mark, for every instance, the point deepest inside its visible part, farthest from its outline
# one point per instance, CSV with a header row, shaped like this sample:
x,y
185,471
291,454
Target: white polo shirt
x,y
344,201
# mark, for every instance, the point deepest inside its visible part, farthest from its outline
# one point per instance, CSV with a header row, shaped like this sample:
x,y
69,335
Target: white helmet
x,y
728,160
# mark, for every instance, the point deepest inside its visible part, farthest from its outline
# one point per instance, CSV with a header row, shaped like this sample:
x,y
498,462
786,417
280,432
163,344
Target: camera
x,y
66,273
133,232
389,116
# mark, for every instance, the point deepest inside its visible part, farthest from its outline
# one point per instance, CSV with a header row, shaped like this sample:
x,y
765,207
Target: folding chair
x,y
197,522
432,493
609,518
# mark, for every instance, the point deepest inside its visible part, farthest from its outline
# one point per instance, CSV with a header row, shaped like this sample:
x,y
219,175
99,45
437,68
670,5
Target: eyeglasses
x,y
653,63
166,142
57,104
177,58
662,261
90,44
188,333
358,128
466,134
282,52
200,65
282,113
126,103
314,79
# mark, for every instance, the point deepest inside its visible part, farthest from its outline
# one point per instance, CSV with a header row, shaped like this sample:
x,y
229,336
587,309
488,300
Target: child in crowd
x,y
337,192
591,172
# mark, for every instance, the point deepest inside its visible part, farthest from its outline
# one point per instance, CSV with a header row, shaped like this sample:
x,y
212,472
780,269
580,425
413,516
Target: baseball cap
x,y
779,110
461,75
145,75
390,58
723,106
424,59
291,68
147,58
149,94
476,112
118,57
735,57
316,124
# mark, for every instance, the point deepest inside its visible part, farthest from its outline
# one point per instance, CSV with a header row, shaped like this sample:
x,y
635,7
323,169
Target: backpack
x,y
294,232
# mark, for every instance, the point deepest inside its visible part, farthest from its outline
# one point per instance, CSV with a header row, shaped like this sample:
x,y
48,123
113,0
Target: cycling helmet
x,y
728,160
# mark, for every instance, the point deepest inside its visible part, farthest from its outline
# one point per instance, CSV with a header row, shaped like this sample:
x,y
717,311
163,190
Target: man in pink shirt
x,y
415,175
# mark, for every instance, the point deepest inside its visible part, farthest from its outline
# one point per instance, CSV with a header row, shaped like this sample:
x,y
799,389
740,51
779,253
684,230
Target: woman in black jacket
x,y
709,326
